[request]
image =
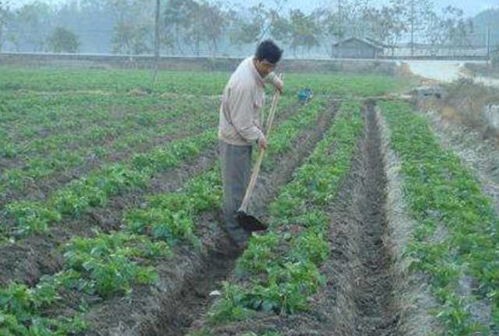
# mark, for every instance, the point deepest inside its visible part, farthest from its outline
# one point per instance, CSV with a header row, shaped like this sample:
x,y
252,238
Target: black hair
x,y
269,51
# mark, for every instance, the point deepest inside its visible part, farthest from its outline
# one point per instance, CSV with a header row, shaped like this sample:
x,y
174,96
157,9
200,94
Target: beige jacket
x,y
242,99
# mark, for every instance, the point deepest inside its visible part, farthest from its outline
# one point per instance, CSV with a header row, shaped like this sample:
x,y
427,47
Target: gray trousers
x,y
236,170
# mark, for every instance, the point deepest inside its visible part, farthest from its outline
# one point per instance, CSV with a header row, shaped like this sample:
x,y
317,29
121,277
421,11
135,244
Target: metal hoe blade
x,y
249,223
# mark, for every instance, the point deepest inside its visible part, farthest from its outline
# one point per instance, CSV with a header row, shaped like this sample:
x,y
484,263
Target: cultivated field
x,y
110,201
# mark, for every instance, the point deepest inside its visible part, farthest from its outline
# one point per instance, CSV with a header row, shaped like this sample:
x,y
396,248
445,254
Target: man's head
x,y
266,57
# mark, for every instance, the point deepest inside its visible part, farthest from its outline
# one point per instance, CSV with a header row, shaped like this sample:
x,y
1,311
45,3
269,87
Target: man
x,y
239,129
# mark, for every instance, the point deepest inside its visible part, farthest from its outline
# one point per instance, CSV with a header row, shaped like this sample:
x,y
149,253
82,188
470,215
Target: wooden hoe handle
x,y
256,167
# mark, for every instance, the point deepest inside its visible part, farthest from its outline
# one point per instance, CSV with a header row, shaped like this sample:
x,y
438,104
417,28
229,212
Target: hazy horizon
x,y
470,8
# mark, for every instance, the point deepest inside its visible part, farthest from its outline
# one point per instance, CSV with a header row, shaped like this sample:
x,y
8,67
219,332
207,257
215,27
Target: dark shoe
x,y
237,245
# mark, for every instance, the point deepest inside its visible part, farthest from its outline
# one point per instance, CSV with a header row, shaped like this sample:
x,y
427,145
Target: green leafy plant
x,y
31,217
107,261
231,307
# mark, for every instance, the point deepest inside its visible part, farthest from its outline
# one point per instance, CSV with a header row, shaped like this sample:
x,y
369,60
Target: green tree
x,y
31,25
193,27
132,38
4,17
261,21
415,16
449,28
305,31
345,19
250,28
213,21
63,40
333,23
133,31
281,28
194,23
457,28
175,16
382,24
435,32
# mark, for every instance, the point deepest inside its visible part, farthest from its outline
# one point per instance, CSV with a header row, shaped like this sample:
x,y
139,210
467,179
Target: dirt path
x,y
446,71
443,71
373,297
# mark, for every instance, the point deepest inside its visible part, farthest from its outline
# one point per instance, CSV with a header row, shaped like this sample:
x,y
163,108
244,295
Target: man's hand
x,y
279,85
262,143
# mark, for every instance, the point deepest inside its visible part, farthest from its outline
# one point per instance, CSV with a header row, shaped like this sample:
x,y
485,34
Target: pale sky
x,y
471,7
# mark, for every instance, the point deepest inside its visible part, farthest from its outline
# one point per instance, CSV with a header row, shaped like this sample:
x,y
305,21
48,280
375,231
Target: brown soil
x,y
182,296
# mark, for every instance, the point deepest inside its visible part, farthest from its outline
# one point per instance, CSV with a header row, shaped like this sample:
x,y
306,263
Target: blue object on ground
x,y
304,95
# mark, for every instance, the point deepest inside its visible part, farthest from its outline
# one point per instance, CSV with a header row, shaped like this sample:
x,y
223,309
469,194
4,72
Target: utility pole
x,y
488,43
156,42
4,8
156,35
340,21
412,28
340,29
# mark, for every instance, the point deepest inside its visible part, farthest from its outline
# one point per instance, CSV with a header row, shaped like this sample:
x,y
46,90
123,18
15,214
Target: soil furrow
x,y
373,297
359,298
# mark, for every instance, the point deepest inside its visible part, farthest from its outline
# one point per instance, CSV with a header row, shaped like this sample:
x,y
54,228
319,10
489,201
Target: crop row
x,y
61,80
96,188
47,126
195,83
58,156
456,233
28,114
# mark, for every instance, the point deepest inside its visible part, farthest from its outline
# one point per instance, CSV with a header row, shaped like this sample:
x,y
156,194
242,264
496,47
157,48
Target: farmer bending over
x,y
239,128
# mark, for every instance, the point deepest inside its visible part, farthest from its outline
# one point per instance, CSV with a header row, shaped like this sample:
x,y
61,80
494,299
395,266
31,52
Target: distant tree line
x,y
195,27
